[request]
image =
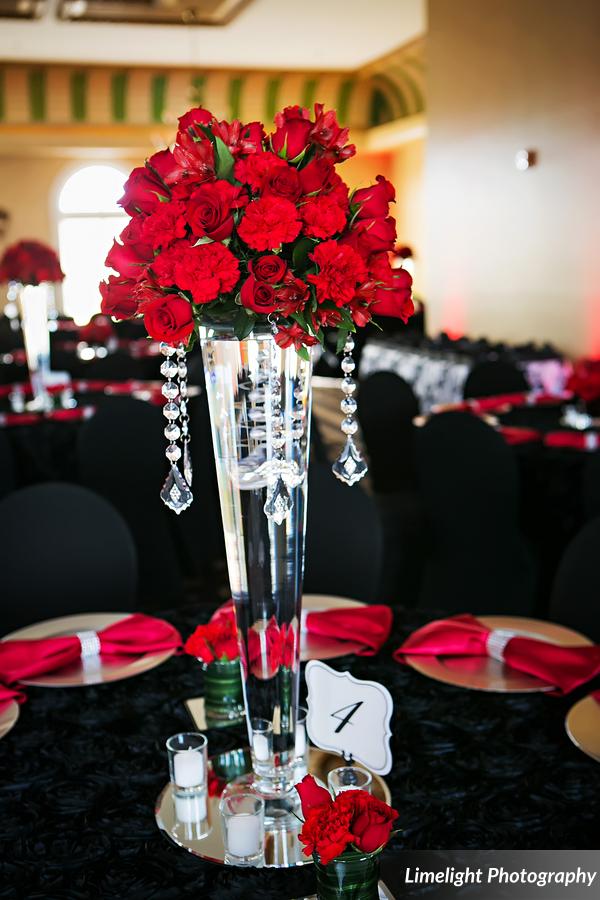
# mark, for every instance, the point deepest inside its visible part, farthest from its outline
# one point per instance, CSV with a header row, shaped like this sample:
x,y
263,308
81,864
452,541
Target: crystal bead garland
x,y
279,500
349,467
175,493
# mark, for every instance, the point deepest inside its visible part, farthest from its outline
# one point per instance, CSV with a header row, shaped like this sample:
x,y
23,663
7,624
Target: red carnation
x,y
322,217
210,209
258,296
118,299
340,268
165,225
294,334
270,268
293,131
374,201
143,191
327,134
207,271
393,294
255,168
268,223
218,640
168,318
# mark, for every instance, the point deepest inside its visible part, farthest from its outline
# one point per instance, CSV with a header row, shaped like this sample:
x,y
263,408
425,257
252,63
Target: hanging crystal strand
x,y
279,500
184,414
349,467
175,493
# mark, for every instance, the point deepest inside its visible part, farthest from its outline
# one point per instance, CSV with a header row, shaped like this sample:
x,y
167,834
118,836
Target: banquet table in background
x,y
83,767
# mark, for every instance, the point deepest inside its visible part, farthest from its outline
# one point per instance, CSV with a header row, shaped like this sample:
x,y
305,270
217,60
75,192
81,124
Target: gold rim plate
x,y
97,670
481,673
314,646
8,717
583,726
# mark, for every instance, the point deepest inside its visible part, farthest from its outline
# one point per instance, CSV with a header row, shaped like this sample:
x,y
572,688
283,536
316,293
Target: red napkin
x,y
564,667
574,440
133,636
515,436
369,624
7,695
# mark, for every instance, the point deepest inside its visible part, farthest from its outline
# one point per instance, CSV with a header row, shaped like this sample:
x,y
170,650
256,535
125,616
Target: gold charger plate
x,y
282,847
8,717
96,670
482,673
314,646
583,726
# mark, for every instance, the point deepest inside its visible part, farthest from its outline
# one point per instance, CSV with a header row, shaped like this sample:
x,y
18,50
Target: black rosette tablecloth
x,y
82,769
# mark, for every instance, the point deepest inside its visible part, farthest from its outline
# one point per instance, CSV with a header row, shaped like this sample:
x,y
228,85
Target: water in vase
x,y
259,400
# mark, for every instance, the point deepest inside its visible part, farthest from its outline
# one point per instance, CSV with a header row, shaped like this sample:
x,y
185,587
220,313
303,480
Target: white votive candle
x,y
190,809
260,743
300,739
243,835
188,768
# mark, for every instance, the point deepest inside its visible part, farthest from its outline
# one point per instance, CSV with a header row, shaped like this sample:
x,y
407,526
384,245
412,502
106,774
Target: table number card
x,y
349,716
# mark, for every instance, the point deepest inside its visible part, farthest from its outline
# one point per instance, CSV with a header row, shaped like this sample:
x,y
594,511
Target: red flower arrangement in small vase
x,y
345,836
216,646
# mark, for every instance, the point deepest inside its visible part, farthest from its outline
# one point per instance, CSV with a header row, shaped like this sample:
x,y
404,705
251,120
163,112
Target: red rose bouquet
x,y
236,225
30,262
354,820
215,642
585,380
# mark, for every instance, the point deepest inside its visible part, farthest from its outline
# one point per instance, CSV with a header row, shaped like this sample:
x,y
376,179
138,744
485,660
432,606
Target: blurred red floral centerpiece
x,y
252,243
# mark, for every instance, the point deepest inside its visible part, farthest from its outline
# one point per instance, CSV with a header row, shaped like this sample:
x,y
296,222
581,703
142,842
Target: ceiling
x,y
267,34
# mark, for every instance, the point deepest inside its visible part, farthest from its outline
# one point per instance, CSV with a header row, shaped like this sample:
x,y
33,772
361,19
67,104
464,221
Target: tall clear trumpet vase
x,y
259,397
33,310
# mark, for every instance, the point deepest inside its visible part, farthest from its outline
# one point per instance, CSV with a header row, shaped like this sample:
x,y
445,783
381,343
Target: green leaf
x,y
205,239
223,159
342,338
243,324
303,353
300,253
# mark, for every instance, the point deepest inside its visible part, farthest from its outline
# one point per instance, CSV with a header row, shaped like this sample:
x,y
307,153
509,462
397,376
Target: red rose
x,y
268,223
192,118
372,821
327,134
255,168
293,130
143,191
133,236
283,181
127,261
340,268
264,648
393,294
206,271
294,334
118,298
165,225
374,201
165,166
312,795
292,295
240,139
217,640
258,296
270,268
209,210
372,236
322,217
168,318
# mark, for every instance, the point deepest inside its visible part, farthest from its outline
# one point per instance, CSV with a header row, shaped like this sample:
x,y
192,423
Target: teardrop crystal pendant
x,y
175,491
187,463
279,502
350,467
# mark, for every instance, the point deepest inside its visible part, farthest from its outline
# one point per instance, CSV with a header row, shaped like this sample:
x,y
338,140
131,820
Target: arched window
x,y
88,220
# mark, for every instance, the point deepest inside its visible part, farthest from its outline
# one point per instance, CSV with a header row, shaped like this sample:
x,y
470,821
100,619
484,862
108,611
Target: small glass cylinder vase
x,y
352,876
33,308
259,400
223,693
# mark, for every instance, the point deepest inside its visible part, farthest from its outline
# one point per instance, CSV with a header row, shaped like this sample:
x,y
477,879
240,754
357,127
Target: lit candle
x,y
300,740
188,768
243,835
260,743
190,809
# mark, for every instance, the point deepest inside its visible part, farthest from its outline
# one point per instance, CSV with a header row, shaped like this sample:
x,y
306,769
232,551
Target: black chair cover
x,y
8,475
386,409
121,455
591,485
344,541
63,550
486,379
575,597
477,560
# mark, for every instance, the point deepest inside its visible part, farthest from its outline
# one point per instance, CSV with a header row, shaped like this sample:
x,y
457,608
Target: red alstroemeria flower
x,y
294,334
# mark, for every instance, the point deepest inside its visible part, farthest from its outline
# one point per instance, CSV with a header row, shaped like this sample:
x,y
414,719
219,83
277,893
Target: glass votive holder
x,y
188,761
301,746
243,826
261,745
349,778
